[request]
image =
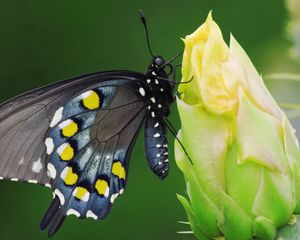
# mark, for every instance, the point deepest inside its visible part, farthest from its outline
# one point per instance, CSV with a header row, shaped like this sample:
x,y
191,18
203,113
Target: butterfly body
x,y
155,128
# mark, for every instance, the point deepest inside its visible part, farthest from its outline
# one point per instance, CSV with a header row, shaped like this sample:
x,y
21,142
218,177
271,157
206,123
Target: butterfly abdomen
x,y
156,145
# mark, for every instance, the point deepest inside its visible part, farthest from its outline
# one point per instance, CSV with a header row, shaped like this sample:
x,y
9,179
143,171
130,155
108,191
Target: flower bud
x,y
244,179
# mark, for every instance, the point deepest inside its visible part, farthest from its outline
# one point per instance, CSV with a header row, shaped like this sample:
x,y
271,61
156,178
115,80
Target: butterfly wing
x,y
25,120
89,147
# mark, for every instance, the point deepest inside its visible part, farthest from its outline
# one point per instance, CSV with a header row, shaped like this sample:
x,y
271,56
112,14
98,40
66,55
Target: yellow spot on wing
x,y
101,186
81,193
71,177
66,152
118,170
91,100
69,129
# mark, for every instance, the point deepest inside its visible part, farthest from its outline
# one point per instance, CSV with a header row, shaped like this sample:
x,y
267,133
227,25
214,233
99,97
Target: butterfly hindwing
x,y
89,145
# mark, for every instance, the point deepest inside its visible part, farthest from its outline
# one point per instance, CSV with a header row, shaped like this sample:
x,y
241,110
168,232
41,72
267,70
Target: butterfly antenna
x,y
173,131
172,59
143,19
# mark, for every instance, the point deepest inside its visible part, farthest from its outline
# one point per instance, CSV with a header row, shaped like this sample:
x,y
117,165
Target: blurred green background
x,y
45,41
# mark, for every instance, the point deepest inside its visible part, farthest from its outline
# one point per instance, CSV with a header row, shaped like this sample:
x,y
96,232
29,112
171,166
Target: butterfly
x,y
76,136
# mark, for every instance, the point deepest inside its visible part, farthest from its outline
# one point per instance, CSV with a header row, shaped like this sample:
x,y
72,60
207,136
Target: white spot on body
x,y
153,73
37,166
156,135
158,145
73,212
158,155
60,196
1,178
142,91
153,114
48,185
121,191
167,160
90,214
165,145
14,179
49,145
148,80
57,117
159,163
161,89
156,125
166,153
51,170
156,82
149,107
159,105
153,99
114,197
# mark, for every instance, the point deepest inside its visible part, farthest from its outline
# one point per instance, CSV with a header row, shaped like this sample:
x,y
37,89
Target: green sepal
x,y
193,222
264,229
240,177
205,138
274,199
205,211
236,223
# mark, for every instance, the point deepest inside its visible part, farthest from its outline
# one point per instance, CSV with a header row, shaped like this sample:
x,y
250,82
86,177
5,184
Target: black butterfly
x,y
76,137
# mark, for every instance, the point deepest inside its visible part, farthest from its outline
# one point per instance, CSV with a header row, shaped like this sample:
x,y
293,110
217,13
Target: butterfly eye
x,y
168,68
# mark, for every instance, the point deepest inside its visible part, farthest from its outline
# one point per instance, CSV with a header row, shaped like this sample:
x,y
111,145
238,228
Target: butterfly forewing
x,y
25,121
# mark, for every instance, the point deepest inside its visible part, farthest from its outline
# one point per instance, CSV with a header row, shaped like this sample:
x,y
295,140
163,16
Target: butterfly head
x,y
159,61
158,78
163,69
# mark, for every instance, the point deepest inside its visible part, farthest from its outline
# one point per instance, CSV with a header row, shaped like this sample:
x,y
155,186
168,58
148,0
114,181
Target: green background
x,y
45,41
